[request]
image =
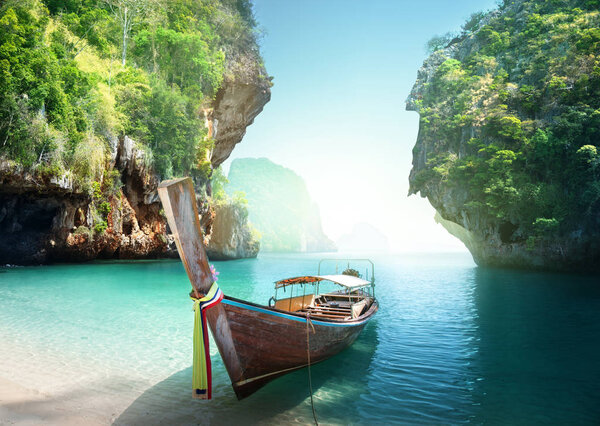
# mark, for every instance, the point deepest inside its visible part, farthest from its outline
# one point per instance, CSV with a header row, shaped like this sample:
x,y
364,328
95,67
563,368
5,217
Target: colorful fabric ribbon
x,y
201,372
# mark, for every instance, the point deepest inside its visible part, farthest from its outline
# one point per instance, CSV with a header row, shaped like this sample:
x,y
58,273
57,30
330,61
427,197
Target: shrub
x,y
100,227
89,158
545,226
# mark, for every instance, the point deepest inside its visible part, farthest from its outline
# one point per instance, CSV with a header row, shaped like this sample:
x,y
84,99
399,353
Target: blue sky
x,y
342,71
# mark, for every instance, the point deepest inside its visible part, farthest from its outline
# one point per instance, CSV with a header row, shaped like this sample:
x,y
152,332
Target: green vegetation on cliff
x,y
236,200
76,74
232,235
279,206
511,115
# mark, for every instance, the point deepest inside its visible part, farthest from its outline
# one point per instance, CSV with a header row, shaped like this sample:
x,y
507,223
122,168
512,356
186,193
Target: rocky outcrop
x,y
231,236
313,238
459,92
364,238
489,247
279,206
237,103
50,221
106,205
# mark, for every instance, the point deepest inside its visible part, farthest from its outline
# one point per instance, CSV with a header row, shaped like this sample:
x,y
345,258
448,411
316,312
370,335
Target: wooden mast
x,y
179,201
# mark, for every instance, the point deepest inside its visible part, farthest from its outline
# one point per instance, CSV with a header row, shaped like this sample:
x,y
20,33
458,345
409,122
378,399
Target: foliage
x,y
64,92
218,182
100,227
128,13
438,42
351,272
527,94
182,59
36,85
167,121
100,206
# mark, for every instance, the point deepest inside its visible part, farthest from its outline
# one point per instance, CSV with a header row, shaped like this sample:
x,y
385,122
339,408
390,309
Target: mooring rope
x,y
312,403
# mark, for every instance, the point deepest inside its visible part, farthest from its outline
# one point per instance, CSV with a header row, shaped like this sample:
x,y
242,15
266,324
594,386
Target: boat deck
x,y
329,312
337,306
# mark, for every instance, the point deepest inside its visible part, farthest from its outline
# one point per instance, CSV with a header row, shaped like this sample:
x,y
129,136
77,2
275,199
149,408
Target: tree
x,y
127,12
218,182
439,42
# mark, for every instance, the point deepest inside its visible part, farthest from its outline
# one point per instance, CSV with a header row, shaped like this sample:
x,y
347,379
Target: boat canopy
x,y
347,281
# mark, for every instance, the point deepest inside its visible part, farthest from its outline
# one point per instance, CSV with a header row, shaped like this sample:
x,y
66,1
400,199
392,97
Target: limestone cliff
x,y
86,138
50,220
231,237
507,150
279,205
236,105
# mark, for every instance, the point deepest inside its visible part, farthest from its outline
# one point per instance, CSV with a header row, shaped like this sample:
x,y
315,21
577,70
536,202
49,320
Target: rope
x,y
312,403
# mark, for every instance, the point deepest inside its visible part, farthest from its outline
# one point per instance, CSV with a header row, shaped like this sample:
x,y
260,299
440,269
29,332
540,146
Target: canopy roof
x,y
347,281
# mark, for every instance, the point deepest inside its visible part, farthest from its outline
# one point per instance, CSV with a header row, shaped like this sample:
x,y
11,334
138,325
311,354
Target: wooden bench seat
x,y
338,314
321,315
333,311
324,313
331,308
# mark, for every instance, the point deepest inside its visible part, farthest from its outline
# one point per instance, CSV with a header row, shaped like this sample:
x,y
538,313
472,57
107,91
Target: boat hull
x,y
259,344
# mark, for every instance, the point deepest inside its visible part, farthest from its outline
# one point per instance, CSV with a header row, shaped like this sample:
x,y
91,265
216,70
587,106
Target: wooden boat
x,y
260,343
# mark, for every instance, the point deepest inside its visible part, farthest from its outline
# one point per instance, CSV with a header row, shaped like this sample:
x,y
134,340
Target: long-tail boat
x,y
259,343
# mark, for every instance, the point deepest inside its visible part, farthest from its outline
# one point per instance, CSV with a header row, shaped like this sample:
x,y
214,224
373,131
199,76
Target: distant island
x,y
507,151
279,206
364,238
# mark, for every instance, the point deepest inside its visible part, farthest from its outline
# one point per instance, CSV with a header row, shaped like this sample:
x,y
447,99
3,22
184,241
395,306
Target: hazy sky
x,y
342,71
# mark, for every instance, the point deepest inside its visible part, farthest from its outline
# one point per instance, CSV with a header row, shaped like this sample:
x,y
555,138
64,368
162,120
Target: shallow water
x,y
451,343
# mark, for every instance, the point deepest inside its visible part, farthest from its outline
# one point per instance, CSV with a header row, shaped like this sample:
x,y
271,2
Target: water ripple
x,y
451,343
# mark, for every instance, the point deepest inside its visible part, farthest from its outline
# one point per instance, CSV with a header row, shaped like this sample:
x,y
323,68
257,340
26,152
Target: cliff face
x,y
73,183
48,220
236,105
279,206
508,136
231,237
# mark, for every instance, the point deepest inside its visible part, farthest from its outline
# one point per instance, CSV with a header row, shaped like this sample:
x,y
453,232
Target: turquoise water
x,y
452,343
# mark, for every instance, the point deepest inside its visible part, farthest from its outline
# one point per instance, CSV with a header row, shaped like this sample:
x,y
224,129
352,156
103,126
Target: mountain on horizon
x,y
364,237
279,206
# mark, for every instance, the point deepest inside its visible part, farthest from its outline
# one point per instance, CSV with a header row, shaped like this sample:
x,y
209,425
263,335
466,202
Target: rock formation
x,y
507,144
364,238
45,221
236,105
42,222
279,206
231,237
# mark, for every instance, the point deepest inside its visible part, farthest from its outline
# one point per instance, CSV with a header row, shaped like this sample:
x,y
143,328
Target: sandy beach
x,y
22,406
45,388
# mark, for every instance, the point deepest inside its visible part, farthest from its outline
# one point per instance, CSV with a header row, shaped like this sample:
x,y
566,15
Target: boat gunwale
x,y
302,317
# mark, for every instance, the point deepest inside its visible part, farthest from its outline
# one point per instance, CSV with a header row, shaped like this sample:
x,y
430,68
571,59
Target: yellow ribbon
x,y
201,368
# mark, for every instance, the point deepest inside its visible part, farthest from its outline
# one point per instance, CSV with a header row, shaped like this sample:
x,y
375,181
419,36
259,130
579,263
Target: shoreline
x,y
82,404
22,406
36,388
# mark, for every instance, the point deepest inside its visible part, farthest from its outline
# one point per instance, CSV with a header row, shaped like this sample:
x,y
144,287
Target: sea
x,y
452,343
